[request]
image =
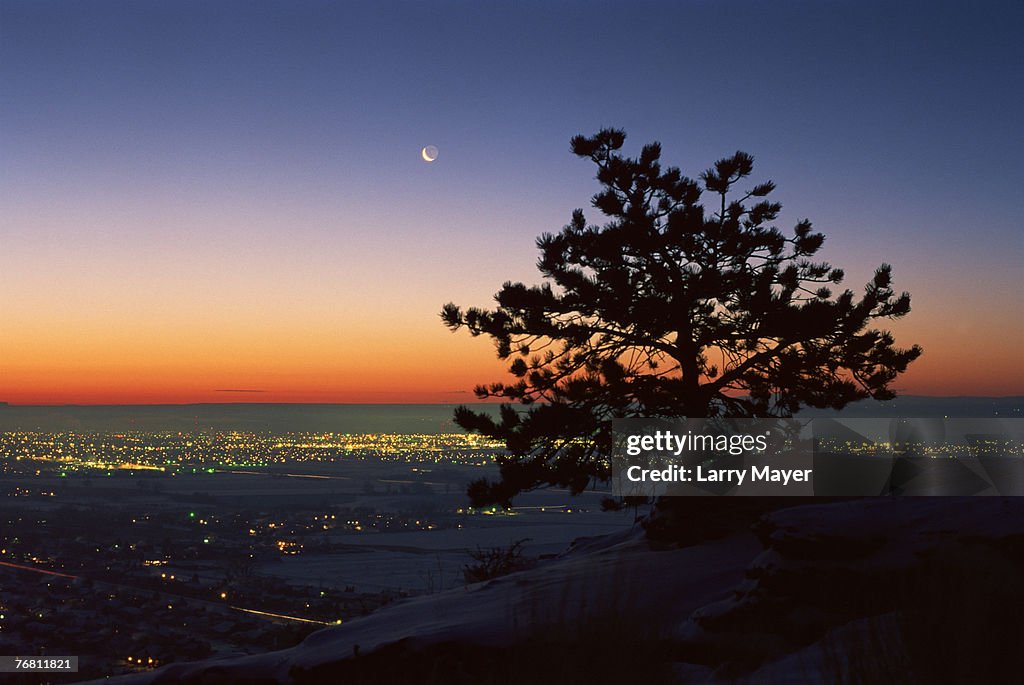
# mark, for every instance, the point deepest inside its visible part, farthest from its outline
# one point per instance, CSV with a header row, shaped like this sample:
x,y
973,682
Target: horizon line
x,y
439,404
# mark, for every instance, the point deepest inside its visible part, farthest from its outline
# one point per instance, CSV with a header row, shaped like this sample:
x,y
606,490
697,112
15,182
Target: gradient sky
x,y
198,197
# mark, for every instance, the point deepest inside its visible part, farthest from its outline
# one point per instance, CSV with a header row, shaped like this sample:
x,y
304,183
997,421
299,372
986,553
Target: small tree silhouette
x,y
493,562
668,311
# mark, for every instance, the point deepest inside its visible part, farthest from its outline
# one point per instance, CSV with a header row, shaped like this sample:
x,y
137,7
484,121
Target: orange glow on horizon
x,y
236,351
443,373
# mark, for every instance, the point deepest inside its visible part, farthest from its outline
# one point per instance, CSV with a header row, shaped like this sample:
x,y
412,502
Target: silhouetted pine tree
x,y
670,310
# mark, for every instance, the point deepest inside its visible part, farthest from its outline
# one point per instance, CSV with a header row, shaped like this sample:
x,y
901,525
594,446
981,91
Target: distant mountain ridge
x,y
393,418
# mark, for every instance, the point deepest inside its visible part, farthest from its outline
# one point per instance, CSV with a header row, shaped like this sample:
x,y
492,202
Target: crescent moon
x,y
429,153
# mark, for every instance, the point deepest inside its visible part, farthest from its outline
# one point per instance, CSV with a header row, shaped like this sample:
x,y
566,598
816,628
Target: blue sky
x,y
255,146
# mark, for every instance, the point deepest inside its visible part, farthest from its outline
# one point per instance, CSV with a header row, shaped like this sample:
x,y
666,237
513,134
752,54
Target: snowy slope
x,y
772,605
833,565
619,575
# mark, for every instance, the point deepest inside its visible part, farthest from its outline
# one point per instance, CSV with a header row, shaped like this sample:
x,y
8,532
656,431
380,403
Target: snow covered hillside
x,y
788,600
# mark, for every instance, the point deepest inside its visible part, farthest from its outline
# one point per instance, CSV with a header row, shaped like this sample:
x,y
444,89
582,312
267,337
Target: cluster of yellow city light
x,y
177,453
